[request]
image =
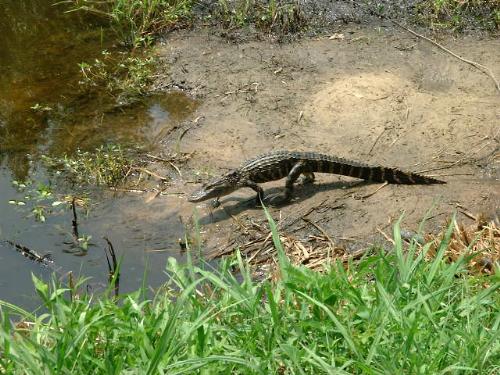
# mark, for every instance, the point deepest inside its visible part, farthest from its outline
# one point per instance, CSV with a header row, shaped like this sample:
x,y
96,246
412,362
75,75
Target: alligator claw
x,y
305,179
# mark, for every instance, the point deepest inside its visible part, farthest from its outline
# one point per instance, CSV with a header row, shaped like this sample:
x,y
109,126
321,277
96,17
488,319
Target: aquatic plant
x,y
138,22
125,79
106,165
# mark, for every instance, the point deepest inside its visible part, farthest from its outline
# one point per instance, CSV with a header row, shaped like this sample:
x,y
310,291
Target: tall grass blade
x,y
441,251
322,364
283,261
340,327
165,341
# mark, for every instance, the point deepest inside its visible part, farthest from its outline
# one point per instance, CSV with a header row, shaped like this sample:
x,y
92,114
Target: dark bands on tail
x,y
393,176
329,164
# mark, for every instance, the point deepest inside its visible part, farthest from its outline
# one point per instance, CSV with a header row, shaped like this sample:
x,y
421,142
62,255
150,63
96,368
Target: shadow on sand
x,y
234,206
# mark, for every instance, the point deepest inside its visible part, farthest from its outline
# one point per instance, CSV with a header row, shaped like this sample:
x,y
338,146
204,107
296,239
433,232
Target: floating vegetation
x,y
107,165
40,199
126,80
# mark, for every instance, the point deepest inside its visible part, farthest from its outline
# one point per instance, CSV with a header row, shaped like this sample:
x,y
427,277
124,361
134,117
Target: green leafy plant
x,y
391,312
84,242
126,79
39,213
138,22
458,14
280,17
41,108
106,165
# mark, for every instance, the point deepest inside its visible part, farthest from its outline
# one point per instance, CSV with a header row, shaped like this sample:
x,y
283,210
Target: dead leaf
x,y
151,196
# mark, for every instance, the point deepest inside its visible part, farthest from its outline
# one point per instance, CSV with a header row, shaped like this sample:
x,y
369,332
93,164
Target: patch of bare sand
x,y
390,118
365,98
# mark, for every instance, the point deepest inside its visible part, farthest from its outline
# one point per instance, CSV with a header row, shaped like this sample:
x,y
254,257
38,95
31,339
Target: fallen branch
x,y
478,66
376,190
147,171
376,140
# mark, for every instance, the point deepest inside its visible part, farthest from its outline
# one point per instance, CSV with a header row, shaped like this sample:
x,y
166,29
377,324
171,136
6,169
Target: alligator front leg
x,y
293,175
252,185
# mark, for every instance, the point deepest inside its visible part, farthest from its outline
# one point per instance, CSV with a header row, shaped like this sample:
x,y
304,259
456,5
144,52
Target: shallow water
x,y
40,48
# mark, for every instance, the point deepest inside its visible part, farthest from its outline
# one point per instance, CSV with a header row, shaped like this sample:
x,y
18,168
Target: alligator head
x,y
216,187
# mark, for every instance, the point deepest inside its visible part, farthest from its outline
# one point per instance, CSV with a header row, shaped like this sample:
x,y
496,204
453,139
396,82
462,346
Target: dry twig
x,y
320,229
375,191
478,66
147,171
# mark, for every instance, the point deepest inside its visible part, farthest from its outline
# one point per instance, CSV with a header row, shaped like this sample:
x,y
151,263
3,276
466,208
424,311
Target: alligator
x,y
290,164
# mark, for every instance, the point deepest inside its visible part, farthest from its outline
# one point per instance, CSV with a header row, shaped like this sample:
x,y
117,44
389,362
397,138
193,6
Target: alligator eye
x,y
212,184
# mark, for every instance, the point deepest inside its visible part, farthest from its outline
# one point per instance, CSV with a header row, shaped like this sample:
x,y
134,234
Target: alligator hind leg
x,y
293,175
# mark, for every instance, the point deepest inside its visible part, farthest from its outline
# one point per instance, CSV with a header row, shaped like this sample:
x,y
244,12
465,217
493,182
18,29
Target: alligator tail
x,y
391,175
329,164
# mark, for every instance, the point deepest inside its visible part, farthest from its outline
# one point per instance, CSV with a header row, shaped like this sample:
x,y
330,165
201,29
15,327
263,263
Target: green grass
x,y
459,14
389,313
279,17
138,22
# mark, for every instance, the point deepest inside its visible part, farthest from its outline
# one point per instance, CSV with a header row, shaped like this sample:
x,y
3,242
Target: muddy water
x,y
40,48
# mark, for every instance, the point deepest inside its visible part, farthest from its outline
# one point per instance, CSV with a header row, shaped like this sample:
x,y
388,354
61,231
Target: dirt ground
x,y
369,93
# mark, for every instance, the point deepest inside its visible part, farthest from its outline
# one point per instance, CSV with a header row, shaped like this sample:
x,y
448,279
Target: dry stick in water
x,y
112,266
74,222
